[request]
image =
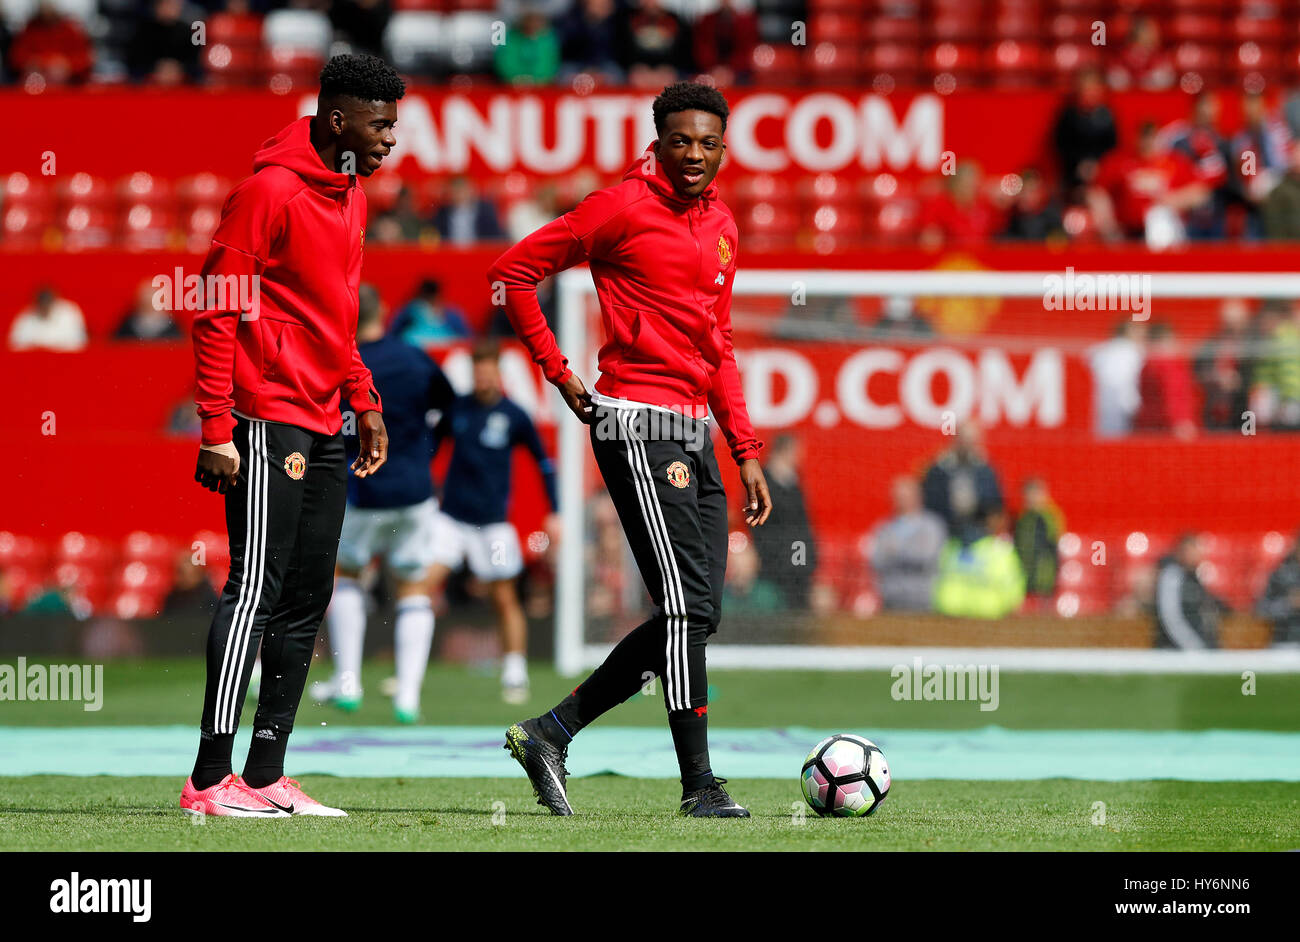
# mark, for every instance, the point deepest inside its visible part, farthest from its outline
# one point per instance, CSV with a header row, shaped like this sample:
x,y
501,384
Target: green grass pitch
x,y
126,813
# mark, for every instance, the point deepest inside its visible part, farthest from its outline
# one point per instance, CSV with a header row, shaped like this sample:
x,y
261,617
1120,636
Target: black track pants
x,y
284,518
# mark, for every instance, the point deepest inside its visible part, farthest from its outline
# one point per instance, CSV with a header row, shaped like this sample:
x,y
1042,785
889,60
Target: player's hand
x,y
577,398
374,444
760,501
218,467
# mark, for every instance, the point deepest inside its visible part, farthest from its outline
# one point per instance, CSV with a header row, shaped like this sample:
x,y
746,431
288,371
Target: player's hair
x,y
360,76
689,96
485,349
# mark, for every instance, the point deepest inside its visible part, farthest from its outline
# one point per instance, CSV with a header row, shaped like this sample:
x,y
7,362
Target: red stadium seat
x,y
962,61
1015,64
22,550
834,64
147,547
82,189
778,65
24,226
232,65
143,187
1260,29
891,29
202,189
834,27
147,228
235,29
902,63
1194,27
86,227
768,226
19,189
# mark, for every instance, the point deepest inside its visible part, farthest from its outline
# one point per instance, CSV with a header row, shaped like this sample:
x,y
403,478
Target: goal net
x,y
985,464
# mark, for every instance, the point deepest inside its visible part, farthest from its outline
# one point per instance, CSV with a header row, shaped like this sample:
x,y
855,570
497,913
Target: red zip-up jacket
x,y
298,227
663,267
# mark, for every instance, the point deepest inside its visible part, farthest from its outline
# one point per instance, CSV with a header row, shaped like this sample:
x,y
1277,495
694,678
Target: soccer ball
x,y
845,776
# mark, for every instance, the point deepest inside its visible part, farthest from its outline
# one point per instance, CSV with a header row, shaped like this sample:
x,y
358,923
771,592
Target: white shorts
x,y
402,535
492,551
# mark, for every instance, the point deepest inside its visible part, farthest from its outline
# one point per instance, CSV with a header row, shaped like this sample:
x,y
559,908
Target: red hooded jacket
x,y
298,227
663,267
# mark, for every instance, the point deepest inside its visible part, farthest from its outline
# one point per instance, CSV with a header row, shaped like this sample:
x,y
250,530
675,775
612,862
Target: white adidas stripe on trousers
x,y
677,682
250,589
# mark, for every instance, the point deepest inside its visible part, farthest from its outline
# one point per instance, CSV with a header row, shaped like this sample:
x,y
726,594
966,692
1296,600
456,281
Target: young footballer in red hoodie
x,y
662,250
270,376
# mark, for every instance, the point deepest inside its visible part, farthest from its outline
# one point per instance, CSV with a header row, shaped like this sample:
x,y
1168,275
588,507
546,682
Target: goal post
x,y
583,600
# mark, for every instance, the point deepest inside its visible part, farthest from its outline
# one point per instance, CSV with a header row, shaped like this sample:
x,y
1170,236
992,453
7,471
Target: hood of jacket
x,y
292,149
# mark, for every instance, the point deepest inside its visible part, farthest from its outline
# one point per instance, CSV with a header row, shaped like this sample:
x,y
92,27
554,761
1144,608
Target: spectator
x,y
529,214
426,320
146,321
1283,370
1187,614
1038,528
1280,602
1221,367
1280,211
1144,193
1116,366
962,487
1166,387
905,551
1199,140
1085,130
1143,63
51,323
1035,214
51,45
786,545
363,22
961,213
655,45
531,53
745,590
724,44
191,594
1260,159
162,44
590,40
982,578
1265,368
465,217
400,223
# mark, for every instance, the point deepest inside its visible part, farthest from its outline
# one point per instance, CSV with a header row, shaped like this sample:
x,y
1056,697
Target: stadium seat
x,y
469,40
143,188
202,189
777,65
82,189
961,61
85,227
767,226
22,550
232,65
25,226
834,27
900,62
1014,64
234,29
146,227
307,31
414,40
890,29
148,547
834,63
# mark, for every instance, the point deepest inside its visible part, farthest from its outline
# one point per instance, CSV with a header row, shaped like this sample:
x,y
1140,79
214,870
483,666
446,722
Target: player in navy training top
x,y
484,428
390,515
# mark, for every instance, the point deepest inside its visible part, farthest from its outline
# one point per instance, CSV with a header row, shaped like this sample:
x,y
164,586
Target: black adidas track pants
x,y
284,519
662,475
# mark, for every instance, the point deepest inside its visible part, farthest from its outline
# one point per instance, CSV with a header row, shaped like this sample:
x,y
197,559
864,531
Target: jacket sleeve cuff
x,y
218,429
366,399
744,452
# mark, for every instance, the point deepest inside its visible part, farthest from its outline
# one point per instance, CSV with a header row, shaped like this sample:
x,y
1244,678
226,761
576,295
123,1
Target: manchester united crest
x,y
295,466
724,252
678,474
